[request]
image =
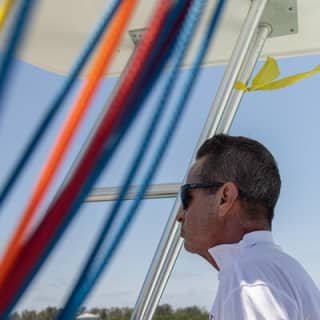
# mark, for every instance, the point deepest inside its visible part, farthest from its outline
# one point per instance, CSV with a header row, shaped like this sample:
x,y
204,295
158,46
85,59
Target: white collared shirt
x,y
258,281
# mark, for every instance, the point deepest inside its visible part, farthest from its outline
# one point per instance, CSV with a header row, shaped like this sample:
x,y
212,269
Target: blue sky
x,y
286,121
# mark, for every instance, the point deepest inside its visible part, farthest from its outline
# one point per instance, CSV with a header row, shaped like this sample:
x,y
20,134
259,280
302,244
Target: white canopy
x,y
60,29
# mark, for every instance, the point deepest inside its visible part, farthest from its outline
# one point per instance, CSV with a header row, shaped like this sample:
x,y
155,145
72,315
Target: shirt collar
x,y
225,254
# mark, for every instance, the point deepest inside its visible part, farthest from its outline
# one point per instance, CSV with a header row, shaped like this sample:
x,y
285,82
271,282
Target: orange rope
x,y
106,50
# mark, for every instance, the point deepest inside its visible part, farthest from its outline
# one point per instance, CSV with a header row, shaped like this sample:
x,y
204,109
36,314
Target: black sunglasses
x,y
185,194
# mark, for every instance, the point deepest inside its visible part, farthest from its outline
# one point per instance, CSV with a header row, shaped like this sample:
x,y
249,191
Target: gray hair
x,y
249,165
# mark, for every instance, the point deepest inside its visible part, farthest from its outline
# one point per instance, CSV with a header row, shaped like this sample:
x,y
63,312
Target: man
x,y
228,206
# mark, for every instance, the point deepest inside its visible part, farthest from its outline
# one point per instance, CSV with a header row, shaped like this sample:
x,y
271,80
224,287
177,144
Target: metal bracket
x,y
282,16
155,191
136,35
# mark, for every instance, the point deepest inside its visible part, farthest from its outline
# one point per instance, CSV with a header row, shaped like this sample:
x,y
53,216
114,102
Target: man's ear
x,y
228,194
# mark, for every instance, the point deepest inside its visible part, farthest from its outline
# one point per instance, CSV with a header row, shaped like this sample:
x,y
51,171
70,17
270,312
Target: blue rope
x,y
56,104
154,64
87,280
13,42
78,294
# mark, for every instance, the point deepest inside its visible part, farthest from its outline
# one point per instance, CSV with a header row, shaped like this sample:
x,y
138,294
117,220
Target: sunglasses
x,y
185,191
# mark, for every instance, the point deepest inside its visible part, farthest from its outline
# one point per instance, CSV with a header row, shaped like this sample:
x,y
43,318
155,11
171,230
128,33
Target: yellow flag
x,y
265,79
4,11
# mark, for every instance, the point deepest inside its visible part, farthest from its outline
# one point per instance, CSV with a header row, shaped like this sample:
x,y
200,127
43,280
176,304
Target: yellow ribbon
x,y
265,79
4,11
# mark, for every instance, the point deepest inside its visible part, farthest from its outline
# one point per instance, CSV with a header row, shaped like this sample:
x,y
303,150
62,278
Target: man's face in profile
x,y
200,225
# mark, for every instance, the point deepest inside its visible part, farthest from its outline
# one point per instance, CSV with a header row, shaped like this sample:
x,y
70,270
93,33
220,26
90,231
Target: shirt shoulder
x,y
259,301
272,279
269,264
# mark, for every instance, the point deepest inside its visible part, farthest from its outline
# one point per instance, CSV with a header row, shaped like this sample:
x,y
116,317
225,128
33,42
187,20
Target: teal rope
x,y
56,104
13,43
89,277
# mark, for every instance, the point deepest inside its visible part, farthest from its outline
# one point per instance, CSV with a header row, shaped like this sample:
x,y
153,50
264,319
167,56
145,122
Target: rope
x,y
101,62
38,247
13,42
93,267
99,266
182,101
56,104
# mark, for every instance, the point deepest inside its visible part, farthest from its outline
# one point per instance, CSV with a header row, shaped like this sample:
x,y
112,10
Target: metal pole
x,y
171,243
263,32
173,237
245,39
155,191
170,190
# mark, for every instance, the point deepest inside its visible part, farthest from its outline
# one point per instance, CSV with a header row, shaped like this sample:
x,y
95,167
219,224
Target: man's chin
x,y
188,246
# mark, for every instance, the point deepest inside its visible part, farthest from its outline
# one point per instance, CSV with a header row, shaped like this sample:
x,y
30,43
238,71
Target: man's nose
x,y
180,216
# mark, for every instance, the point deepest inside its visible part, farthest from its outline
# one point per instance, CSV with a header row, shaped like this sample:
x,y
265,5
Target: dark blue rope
x,y
13,43
56,104
87,280
151,72
78,294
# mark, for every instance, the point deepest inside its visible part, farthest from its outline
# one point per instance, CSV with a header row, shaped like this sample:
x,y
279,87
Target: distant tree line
x,y
163,312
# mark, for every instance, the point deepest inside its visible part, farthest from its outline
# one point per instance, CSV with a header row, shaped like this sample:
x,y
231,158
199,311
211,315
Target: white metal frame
x,y
244,56
155,191
257,27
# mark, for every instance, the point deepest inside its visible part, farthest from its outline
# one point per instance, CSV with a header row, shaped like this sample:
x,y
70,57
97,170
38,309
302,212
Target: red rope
x,y
38,242
102,60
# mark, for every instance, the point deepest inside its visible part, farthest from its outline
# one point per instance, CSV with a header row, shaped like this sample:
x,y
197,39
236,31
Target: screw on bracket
x,y
136,35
